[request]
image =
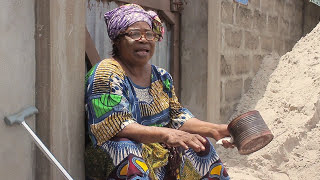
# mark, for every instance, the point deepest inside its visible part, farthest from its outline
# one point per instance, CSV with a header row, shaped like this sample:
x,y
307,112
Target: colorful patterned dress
x,y
113,101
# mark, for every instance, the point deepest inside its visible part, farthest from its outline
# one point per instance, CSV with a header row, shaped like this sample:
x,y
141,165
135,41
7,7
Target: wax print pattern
x,y
112,104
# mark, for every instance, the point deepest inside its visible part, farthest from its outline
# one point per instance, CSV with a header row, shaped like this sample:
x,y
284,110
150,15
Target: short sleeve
x,y
178,114
107,101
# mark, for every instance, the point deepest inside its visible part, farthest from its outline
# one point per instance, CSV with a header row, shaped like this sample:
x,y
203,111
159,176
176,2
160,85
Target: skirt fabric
x,y
133,161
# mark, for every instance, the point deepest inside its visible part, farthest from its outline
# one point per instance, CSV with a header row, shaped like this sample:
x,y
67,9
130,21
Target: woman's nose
x,y
143,38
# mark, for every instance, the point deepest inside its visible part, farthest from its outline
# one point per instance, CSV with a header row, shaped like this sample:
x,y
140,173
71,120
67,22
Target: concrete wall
x,y
216,69
311,16
67,77
248,33
17,82
194,53
60,56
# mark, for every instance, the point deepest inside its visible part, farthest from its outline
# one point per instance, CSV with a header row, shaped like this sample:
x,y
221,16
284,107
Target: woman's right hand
x,y
176,138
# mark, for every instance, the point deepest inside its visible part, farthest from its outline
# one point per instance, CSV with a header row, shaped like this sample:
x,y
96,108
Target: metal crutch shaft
x,y
44,149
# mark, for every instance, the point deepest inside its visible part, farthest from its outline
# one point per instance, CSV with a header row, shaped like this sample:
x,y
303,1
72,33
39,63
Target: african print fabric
x,y
113,101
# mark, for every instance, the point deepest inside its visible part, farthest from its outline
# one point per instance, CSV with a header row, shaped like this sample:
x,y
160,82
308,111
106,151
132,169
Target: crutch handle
x,y
19,117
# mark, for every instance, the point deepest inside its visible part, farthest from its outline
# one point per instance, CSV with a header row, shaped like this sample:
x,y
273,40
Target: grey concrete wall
x,y
311,16
194,53
17,82
67,29
214,47
60,56
247,34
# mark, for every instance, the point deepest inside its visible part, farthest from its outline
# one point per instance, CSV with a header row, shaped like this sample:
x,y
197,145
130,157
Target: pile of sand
x,y
286,92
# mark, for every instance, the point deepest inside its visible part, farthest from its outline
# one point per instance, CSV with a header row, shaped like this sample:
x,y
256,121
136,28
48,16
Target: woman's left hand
x,y
220,132
227,144
206,129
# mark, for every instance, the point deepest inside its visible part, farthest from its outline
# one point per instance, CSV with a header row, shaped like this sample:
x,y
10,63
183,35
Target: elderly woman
x,y
134,114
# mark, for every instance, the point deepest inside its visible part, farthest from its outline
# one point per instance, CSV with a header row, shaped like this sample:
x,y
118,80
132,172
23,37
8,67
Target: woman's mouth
x,y
142,52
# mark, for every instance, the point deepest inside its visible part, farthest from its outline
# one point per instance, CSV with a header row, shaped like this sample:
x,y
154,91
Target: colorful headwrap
x,y
119,19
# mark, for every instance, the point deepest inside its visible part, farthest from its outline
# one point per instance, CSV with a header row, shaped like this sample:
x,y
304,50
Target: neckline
x,y
151,80
135,85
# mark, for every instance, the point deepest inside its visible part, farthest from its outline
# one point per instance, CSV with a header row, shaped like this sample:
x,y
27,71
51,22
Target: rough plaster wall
x,y
17,74
194,52
311,17
67,31
249,33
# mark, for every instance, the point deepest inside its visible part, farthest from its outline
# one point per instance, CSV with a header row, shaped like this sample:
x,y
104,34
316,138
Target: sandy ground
x,y
286,92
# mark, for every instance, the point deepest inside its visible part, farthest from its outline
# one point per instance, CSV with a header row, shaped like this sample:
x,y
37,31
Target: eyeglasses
x,y
137,35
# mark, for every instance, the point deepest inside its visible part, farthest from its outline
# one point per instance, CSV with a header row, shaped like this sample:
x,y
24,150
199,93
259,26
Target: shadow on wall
x,y
258,85
247,103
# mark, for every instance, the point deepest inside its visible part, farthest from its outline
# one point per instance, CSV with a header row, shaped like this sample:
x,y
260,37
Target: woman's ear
x,y
116,47
116,42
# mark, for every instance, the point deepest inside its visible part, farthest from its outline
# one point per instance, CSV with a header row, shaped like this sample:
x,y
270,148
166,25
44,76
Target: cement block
x,y
284,27
288,45
289,10
226,112
233,37
279,7
298,5
311,17
256,62
247,84
310,22
267,6
311,10
251,40
266,43
278,46
242,64
254,4
233,89
243,16
221,92
299,17
273,24
299,11
295,31
259,21
227,12
226,65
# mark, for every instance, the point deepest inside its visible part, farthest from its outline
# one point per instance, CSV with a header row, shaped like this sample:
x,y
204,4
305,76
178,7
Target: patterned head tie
x,y
119,19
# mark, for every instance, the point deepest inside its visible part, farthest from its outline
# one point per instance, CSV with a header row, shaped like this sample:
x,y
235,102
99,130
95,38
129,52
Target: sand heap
x,y
286,92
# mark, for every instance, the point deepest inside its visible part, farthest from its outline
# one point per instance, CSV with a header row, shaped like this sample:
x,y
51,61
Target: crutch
x,y
18,118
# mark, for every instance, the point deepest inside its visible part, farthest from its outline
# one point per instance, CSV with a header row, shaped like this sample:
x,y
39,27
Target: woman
x,y
134,114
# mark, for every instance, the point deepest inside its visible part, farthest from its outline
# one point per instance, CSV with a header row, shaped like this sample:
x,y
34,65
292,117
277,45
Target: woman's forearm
x,y
171,137
196,126
142,134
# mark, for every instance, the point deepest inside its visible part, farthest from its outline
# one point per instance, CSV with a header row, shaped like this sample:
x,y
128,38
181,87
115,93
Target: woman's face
x,y
136,52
